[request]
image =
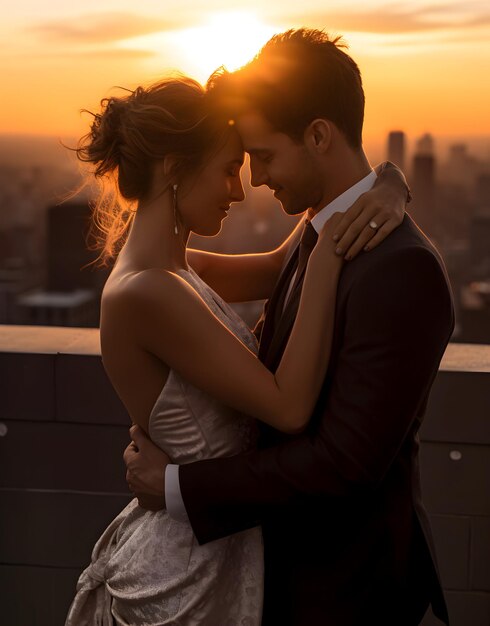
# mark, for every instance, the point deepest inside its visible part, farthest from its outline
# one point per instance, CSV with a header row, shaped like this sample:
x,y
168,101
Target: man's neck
x,y
341,203
347,170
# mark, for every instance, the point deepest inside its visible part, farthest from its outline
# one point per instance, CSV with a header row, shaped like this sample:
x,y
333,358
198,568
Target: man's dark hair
x,y
298,76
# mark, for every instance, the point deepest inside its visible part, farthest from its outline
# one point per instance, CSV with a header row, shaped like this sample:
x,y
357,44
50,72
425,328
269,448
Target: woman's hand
x,y
372,217
324,250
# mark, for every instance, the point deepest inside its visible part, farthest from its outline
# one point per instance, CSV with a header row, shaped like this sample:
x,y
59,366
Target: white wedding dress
x,y
147,569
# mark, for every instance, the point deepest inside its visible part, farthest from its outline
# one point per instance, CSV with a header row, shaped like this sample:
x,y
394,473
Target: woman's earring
x,y
176,229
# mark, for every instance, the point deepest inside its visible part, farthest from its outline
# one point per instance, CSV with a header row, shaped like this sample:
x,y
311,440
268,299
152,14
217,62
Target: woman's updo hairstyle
x,y
133,132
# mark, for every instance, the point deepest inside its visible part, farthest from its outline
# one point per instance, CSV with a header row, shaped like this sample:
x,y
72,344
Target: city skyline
x,y
16,148
423,62
450,186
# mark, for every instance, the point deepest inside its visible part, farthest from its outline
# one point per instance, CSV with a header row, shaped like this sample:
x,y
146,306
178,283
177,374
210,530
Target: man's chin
x,y
293,209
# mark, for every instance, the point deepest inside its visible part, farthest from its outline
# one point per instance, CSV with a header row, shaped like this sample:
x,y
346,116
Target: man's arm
x,y
145,469
398,322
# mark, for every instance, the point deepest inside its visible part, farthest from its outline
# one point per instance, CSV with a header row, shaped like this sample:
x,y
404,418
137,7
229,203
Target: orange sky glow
x,y
425,65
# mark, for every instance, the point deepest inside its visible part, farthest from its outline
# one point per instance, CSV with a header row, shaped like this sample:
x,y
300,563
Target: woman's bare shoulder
x,y
151,289
138,286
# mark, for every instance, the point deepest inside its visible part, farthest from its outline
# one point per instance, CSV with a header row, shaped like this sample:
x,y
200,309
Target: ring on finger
x,y
372,224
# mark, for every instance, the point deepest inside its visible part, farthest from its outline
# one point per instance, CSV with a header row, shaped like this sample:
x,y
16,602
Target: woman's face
x,y
203,203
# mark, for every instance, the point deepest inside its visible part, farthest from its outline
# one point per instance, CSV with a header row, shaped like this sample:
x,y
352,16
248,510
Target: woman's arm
x,y
383,206
243,277
168,319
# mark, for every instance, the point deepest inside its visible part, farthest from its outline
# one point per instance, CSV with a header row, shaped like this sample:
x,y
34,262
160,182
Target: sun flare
x,y
229,39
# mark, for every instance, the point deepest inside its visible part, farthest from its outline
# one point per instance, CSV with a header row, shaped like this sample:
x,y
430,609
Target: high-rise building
x,y
73,289
461,167
68,253
483,193
480,246
425,145
423,206
396,148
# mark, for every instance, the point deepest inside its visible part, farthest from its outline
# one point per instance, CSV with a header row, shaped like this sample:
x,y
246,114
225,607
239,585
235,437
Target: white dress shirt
x,y
173,496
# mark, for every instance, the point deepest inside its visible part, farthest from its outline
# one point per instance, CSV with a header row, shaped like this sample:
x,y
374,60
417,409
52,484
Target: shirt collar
x,y
344,201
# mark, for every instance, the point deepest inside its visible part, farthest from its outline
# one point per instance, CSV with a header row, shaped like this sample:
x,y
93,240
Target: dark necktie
x,y
306,245
296,265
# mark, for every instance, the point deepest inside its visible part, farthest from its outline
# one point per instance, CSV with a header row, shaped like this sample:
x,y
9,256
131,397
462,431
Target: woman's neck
x,y
152,240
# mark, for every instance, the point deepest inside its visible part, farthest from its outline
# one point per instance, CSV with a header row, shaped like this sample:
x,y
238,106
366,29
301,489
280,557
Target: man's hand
x,y
145,474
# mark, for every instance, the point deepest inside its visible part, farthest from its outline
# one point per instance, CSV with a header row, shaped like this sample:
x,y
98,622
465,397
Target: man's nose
x,y
258,174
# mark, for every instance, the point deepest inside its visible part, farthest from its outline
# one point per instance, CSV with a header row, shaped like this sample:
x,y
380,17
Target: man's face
x,y
285,166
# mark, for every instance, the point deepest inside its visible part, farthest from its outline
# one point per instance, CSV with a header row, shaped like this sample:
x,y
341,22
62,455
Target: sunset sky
x,y
426,65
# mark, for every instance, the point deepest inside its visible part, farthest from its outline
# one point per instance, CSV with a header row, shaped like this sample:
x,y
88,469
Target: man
x,y
347,540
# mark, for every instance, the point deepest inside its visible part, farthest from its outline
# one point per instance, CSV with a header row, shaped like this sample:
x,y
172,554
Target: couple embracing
x,y
276,472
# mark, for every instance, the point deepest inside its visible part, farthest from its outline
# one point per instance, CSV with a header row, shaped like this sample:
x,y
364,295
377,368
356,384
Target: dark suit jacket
x,y
347,539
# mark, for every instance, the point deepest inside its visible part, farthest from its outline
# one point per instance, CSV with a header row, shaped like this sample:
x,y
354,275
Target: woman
x,y
178,165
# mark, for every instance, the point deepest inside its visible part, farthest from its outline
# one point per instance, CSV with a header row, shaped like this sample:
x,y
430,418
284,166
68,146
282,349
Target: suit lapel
x,y
275,304
282,329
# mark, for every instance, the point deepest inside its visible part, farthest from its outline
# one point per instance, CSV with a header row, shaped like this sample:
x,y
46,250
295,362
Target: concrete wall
x,y
63,430
455,465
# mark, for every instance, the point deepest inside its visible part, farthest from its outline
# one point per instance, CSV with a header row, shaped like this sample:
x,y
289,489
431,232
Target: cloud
x,y
104,54
396,19
400,18
104,27
97,52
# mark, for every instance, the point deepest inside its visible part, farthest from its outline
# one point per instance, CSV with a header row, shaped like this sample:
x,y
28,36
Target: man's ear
x,y
318,135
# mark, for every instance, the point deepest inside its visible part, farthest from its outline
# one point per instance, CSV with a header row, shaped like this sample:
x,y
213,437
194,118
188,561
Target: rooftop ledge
x,y
58,406
459,357
49,340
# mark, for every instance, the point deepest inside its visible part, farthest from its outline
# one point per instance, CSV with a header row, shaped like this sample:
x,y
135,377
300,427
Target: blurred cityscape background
x,y
46,275
423,65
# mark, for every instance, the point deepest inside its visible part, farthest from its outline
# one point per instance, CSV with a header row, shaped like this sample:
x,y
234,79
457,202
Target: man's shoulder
x,y
406,240
407,236
407,256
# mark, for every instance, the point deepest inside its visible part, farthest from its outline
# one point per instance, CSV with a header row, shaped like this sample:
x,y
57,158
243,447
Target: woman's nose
x,y
237,192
